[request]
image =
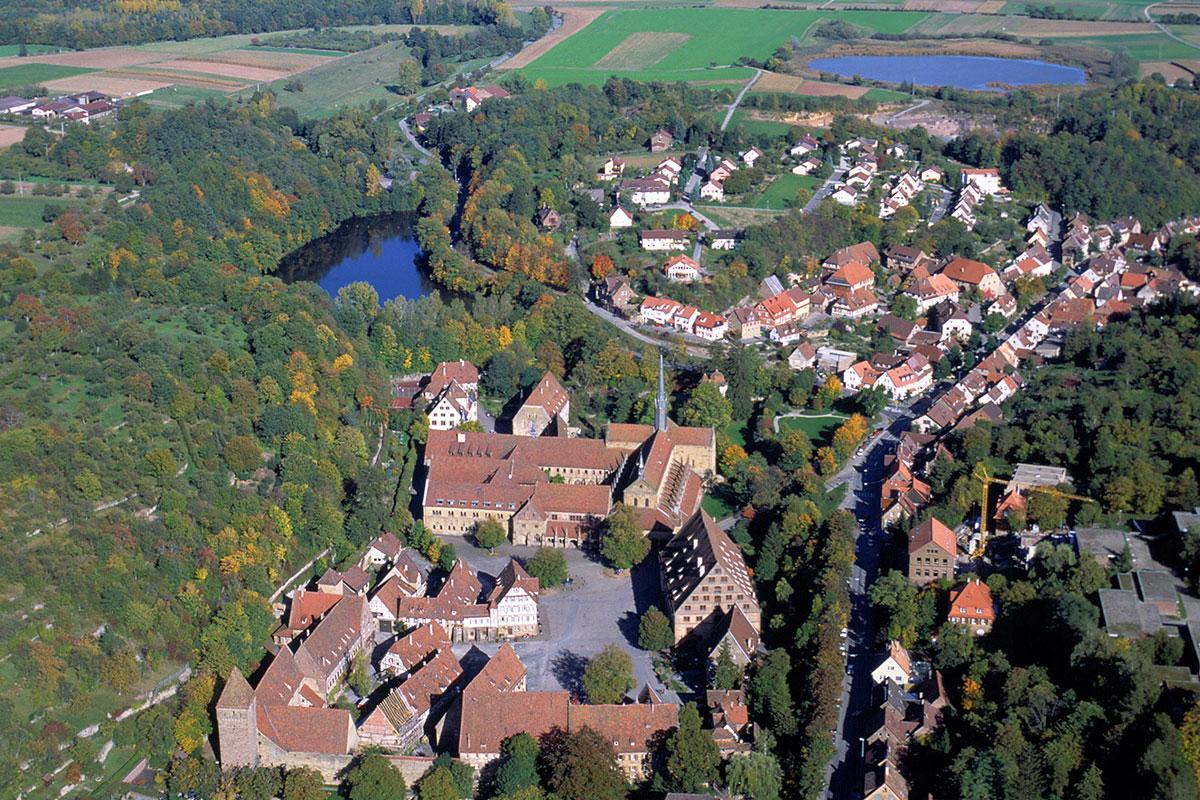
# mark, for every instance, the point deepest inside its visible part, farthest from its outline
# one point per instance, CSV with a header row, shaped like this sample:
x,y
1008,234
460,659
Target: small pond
x,y
981,73
381,250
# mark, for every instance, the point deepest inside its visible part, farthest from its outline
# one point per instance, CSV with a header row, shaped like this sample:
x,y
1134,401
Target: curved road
x,y
1164,28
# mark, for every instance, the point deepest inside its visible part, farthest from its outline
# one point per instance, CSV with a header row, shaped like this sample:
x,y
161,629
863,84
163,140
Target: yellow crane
x,y
985,479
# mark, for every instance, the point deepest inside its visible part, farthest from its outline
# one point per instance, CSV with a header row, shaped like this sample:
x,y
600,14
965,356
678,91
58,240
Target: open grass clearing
x,y
755,122
641,50
7,50
780,193
818,427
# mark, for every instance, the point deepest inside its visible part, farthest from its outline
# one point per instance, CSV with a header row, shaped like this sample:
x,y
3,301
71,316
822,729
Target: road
x,y
627,327
412,139
828,186
1164,28
737,100
862,477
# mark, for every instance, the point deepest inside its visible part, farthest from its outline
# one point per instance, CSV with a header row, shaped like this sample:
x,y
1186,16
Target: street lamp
x,y
862,747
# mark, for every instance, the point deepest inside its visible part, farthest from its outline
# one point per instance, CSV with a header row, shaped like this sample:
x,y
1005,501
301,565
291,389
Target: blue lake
x,y
963,72
380,250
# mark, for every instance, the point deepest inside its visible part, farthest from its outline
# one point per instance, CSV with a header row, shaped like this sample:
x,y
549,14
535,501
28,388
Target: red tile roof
x,y
964,270
931,530
549,394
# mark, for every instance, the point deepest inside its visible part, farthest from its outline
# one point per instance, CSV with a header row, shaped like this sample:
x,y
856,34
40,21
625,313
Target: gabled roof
x,y
514,576
388,544
548,395
964,270
694,551
502,672
931,530
975,595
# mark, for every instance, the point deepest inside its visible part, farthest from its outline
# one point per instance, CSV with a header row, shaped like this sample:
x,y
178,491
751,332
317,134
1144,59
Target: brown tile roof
x,y
631,728
237,692
489,717
852,274
388,544
549,394
320,653
574,498
964,270
280,682
419,644
307,607
728,708
461,371
863,252
931,530
693,552
297,729
543,452
501,673
431,680
973,601
514,576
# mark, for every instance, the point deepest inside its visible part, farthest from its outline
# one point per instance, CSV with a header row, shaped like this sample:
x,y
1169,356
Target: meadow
x,y
780,193
695,44
34,74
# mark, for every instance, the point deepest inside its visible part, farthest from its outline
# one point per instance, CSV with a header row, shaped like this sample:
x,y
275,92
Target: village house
x,y
642,192
713,191
661,140
845,195
685,317
398,721
471,97
454,406
547,408
746,323
725,239
548,219
658,310
704,576
681,269
384,549
895,667
751,156
620,218
971,275
15,105
808,166
904,259
986,180
973,606
611,169
807,144
664,240
710,327
854,305
496,706
932,551
729,723
616,293
803,357
462,610
932,174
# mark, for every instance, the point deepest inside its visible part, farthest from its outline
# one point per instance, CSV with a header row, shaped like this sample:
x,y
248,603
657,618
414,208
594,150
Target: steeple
x,y
660,403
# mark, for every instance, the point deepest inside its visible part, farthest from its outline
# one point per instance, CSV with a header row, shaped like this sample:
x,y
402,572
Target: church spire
x,y
660,403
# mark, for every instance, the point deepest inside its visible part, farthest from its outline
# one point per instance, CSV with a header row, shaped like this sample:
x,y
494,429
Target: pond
x,y
381,250
982,73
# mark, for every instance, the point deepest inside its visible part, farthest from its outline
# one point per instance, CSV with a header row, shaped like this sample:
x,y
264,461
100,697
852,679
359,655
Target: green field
x,y
26,212
819,428
1141,47
701,43
783,189
879,95
9,50
33,74
303,51
180,96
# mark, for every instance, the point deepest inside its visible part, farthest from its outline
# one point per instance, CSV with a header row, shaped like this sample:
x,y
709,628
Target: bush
x,y
490,534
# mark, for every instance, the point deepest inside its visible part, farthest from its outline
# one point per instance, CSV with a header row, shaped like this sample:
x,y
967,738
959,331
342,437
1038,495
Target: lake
x,y
981,73
381,250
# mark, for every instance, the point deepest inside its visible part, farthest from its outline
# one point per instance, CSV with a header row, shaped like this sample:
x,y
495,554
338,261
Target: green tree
x,y
518,765
438,784
769,695
242,454
726,672
693,760
905,306
408,76
623,543
490,534
549,566
1124,560
754,775
796,449
706,407
608,676
654,631
374,778
303,783
359,677
581,766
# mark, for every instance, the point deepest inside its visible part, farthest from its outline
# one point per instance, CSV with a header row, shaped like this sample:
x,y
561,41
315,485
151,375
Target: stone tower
x,y
237,723
660,402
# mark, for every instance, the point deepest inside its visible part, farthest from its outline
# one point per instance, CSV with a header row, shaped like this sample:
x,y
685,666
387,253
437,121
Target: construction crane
x,y
985,480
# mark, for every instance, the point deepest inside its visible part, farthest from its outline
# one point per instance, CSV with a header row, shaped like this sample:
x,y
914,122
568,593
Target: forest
x,y
178,431
101,23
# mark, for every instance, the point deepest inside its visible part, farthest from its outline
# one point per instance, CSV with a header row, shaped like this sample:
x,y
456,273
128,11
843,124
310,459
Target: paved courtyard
x,y
596,609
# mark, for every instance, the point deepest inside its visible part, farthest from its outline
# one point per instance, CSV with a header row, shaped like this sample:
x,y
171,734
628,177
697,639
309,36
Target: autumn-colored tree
x,y
827,462
70,226
731,457
685,222
602,267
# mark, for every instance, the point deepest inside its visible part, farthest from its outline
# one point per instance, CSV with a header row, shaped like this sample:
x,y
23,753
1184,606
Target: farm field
x,y
19,75
26,212
11,134
766,127
687,44
781,192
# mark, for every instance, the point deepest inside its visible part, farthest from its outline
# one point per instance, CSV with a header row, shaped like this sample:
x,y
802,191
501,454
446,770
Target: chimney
x,y
462,437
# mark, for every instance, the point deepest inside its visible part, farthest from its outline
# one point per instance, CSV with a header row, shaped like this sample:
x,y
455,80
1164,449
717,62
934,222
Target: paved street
x,y
828,186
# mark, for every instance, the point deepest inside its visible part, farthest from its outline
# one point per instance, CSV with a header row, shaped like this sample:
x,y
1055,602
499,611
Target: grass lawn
x,y
180,96
782,191
26,212
716,505
885,95
33,74
819,428
736,431
765,127
688,44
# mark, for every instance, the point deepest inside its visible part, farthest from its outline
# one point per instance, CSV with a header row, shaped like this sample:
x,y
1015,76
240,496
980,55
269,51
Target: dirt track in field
x,y
574,20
